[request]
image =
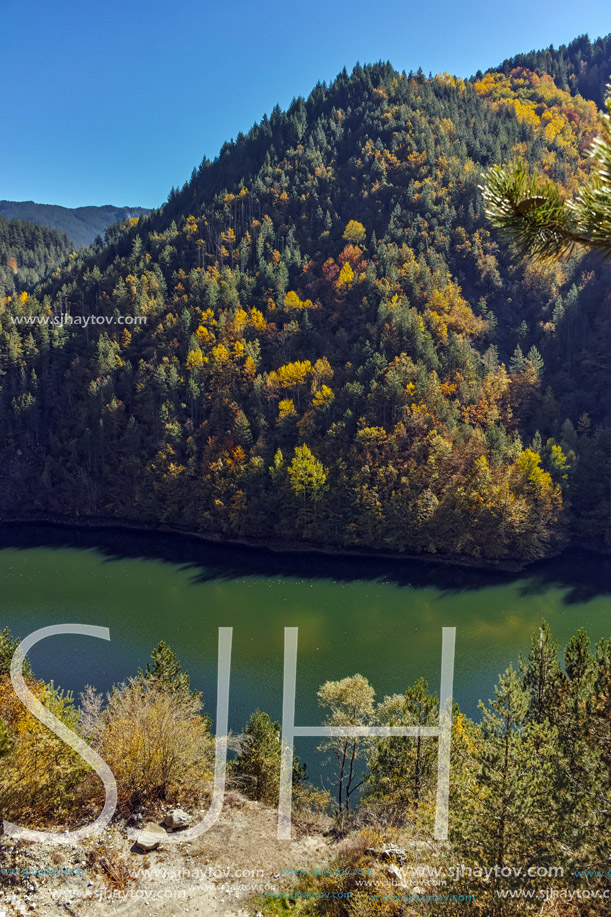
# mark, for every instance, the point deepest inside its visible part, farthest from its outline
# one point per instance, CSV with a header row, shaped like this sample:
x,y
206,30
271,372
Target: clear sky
x,y
115,101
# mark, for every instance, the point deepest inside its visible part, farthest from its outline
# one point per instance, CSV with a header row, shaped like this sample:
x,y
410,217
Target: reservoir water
x,y
382,618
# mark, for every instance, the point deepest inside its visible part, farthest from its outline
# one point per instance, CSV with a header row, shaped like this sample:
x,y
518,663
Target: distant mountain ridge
x,y
80,224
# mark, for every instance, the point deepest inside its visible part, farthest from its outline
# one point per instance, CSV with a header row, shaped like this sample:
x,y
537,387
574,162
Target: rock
x,y
177,819
390,851
150,837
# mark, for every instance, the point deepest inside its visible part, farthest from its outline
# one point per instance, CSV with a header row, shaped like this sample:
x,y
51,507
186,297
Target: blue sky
x,y
115,102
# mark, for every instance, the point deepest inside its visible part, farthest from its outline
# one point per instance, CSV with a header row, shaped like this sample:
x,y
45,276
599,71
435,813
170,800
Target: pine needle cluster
x,y
534,213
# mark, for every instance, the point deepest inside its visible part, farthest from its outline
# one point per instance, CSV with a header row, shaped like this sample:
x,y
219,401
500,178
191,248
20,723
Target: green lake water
x,y
381,618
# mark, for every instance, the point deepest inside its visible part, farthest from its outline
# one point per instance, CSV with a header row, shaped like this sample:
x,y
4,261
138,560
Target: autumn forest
x,y
319,338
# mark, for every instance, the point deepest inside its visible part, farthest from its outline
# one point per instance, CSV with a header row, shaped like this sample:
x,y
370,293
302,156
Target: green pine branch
x,y
535,215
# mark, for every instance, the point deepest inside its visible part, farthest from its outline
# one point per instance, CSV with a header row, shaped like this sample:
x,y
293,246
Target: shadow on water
x,y
582,575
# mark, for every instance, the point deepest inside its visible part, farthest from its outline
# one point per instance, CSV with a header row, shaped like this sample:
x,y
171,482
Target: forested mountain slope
x,y
582,67
27,253
335,349
80,224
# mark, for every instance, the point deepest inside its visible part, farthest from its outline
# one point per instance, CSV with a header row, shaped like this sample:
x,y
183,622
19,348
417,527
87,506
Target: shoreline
x,y
275,546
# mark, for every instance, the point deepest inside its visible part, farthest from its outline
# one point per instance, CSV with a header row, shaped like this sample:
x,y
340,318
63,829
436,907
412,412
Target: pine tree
x,y
257,765
502,727
542,676
517,361
534,357
505,772
166,671
579,778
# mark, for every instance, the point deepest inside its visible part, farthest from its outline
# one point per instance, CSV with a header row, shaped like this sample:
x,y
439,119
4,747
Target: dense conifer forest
x,y
27,253
319,338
